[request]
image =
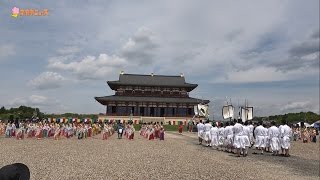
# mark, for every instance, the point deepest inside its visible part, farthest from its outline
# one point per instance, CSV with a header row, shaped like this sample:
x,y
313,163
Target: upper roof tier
x,y
152,81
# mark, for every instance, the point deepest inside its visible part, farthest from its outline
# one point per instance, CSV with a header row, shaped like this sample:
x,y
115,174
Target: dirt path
x,y
178,157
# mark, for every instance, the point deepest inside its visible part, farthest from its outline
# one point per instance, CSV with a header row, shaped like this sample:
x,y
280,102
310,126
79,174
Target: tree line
x,y
309,117
25,112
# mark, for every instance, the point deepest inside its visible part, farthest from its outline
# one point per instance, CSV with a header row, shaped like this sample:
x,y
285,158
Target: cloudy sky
x,y
264,51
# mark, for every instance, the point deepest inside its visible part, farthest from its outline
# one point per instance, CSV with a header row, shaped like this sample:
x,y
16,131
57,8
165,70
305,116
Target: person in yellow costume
x,y
98,128
94,129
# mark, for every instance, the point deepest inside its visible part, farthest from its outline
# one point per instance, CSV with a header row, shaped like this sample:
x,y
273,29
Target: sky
x,y
264,51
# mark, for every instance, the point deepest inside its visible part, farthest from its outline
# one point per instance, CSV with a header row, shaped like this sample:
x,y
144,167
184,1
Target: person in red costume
x,y
180,128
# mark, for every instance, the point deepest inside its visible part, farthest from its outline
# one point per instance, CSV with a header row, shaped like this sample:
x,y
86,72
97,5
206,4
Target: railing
x,y
152,95
137,114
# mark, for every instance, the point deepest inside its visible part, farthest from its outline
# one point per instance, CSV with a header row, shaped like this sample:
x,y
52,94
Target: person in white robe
x,y
280,138
274,134
246,138
200,127
266,138
260,140
221,136
206,132
228,135
251,138
214,136
238,142
8,130
285,134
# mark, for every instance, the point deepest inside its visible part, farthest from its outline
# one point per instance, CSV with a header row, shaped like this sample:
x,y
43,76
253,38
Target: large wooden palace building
x,y
146,98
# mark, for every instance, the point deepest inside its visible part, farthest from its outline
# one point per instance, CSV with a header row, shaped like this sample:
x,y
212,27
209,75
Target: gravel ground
x,y
178,157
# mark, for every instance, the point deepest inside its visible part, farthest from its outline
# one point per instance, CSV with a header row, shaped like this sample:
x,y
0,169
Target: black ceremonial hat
x,y
17,171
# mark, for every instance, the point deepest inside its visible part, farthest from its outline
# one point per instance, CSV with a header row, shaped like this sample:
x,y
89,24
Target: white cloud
x,y
47,80
302,55
6,51
69,50
140,48
297,106
312,56
38,100
90,67
283,107
262,74
42,102
33,100
137,51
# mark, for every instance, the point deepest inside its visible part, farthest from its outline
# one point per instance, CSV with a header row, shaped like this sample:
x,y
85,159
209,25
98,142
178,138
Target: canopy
x,y
305,124
316,124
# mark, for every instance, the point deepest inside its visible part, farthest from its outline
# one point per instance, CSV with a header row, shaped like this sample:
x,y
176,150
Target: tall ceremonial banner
x,y
203,110
196,112
243,114
249,113
246,113
227,112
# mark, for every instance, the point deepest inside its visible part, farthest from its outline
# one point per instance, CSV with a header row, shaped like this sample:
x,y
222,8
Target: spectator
x,y
314,136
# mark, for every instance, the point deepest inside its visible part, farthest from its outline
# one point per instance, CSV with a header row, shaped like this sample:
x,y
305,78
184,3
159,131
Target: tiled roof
x,y
151,80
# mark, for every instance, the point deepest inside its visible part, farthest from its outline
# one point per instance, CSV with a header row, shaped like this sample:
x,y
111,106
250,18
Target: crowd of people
x,y
305,134
152,131
126,129
40,130
237,137
82,130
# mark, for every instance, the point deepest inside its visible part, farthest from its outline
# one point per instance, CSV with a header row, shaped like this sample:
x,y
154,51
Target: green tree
x,y
3,110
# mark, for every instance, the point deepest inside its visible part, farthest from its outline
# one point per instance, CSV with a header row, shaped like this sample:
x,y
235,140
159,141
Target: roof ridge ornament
x,y
181,74
121,72
152,74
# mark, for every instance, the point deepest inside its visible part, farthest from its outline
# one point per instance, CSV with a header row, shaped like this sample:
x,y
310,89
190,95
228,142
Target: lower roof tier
x,y
104,100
